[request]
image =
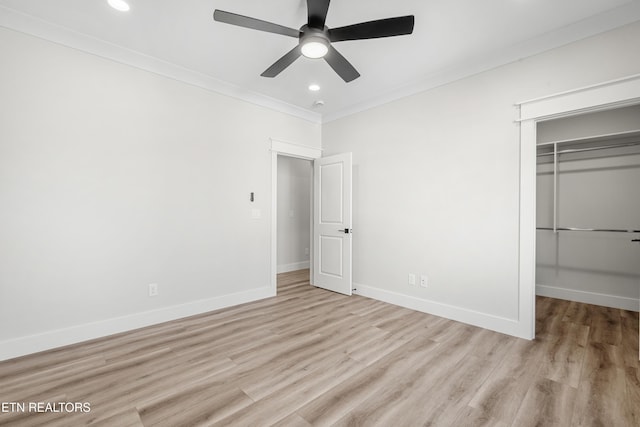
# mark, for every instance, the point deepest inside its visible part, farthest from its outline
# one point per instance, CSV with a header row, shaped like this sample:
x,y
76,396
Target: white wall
x,y
294,213
596,189
437,177
112,178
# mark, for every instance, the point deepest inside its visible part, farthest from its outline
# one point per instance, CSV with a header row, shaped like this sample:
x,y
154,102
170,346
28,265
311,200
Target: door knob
x,y
346,230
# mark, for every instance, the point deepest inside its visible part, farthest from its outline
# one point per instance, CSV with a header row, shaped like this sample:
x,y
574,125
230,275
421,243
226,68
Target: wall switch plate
x,y
424,281
153,289
256,213
412,279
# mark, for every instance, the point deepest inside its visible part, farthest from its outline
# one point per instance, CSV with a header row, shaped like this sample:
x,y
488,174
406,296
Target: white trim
x,y
27,24
295,150
75,334
527,231
606,300
620,92
471,317
294,266
612,94
580,89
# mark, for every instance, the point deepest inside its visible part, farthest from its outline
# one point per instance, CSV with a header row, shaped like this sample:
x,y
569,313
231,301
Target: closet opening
x,y
588,208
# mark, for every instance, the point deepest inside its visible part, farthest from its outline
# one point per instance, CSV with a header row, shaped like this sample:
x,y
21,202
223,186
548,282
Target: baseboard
x,y
595,298
22,346
285,268
475,318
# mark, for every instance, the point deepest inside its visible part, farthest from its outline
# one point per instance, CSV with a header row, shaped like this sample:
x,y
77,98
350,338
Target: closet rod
x,y
577,150
588,229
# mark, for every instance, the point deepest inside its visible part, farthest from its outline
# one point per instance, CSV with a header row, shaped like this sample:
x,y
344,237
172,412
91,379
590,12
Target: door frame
x,y
609,95
299,151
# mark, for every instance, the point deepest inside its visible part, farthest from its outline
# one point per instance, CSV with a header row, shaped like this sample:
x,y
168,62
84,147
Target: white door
x,y
332,223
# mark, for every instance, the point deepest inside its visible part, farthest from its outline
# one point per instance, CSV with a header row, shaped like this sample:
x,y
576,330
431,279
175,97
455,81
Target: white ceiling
x,y
452,39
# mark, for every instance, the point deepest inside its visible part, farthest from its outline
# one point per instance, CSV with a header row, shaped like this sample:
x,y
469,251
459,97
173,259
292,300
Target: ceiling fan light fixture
x,y
120,5
315,39
315,47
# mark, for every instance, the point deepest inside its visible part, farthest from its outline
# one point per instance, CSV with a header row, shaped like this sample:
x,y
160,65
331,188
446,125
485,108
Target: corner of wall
x,y
503,325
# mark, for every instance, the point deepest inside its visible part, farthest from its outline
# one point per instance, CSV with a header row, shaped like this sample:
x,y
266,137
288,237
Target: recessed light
x,y
120,5
314,87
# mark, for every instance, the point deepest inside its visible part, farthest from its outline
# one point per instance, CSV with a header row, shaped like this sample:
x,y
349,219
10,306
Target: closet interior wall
x,y
294,213
593,188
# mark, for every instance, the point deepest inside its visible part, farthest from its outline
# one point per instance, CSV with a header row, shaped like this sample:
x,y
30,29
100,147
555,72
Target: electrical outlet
x,y
412,279
424,281
153,289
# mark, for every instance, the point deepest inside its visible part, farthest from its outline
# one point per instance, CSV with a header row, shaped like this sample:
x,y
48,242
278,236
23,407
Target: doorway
x,y
299,152
605,96
330,238
294,187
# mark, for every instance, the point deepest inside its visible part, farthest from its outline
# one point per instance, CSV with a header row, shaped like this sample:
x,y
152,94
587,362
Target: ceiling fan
x,y
315,38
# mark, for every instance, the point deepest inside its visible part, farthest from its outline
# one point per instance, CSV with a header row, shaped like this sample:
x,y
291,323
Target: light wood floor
x,y
312,357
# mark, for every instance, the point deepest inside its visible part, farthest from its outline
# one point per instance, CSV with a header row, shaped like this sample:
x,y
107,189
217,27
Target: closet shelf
x,y
579,150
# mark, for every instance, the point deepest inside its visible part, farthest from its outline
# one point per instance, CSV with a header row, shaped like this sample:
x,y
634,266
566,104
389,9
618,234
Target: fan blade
x,y
340,65
374,29
317,10
253,23
283,62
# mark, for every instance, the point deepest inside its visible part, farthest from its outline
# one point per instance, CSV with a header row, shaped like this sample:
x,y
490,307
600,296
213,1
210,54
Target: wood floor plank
x,y
565,353
632,396
448,385
630,345
547,403
606,327
330,407
207,402
293,420
501,395
309,357
472,417
127,418
602,390
277,406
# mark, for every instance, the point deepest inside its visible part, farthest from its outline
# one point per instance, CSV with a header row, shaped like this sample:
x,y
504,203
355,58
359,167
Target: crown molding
x,y
27,24
589,27
30,25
